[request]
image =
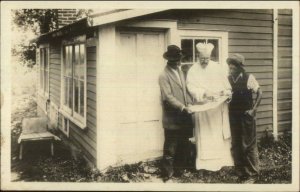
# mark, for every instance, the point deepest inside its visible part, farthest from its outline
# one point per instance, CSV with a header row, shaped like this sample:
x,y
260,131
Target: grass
x,y
38,165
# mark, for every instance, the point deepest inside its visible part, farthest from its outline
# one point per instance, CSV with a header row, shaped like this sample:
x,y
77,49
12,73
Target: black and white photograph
x,y
197,96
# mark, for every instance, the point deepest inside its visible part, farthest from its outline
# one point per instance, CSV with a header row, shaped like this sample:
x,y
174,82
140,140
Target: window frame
x,y
66,110
222,35
42,91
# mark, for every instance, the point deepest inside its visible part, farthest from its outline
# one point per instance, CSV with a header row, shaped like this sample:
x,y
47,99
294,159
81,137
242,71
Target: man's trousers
x,y
244,144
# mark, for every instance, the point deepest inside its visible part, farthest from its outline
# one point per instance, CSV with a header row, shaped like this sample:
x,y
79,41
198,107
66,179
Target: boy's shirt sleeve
x,y
252,84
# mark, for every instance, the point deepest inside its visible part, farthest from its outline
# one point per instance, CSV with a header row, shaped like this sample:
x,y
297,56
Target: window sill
x,y
72,119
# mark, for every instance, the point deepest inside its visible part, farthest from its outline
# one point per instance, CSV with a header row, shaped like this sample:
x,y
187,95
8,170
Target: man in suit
x,y
177,120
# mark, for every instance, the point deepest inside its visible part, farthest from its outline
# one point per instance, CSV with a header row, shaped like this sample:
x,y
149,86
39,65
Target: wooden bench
x,y
35,129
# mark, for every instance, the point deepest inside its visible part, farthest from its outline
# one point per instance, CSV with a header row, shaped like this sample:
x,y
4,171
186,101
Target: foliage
x,y
38,21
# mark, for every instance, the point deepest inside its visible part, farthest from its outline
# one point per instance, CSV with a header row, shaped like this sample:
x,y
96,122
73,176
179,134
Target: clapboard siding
x,y
264,75
250,36
250,42
258,62
285,63
285,94
232,28
284,69
229,21
91,103
285,73
285,30
284,105
54,72
85,143
284,126
250,48
55,66
285,41
236,14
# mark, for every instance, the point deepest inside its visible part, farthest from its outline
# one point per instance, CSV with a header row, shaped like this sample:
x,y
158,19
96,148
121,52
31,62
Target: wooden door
x,y
140,60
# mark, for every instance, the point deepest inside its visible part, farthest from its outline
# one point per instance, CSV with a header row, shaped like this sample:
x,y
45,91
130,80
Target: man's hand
x,y
188,110
228,93
251,112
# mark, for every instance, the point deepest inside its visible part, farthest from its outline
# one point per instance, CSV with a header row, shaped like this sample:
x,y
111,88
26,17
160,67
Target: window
x,y
188,46
190,38
74,81
44,71
65,126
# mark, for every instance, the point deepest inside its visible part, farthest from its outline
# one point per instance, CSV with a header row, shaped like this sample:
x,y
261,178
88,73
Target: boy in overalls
x,y
242,115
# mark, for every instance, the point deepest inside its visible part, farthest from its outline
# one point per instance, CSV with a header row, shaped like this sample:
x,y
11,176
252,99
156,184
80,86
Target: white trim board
x,y
119,16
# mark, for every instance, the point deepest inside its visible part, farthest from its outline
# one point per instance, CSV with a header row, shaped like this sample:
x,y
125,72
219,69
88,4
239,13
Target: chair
x,y
35,129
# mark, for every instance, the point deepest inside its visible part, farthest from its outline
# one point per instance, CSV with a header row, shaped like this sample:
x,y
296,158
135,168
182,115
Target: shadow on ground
x,y
38,165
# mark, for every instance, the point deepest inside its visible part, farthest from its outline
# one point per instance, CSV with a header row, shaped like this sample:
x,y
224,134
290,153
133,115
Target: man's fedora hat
x,y
173,53
236,59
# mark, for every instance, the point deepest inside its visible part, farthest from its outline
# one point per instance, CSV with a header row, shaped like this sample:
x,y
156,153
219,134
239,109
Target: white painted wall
x,y
129,111
107,97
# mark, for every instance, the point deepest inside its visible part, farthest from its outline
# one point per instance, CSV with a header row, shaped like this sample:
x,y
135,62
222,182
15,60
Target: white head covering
x,y
205,49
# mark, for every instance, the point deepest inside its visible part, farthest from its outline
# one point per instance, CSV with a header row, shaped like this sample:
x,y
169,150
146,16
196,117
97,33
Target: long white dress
x,y
212,129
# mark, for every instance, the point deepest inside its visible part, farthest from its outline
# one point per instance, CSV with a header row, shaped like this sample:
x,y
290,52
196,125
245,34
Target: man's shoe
x,y
249,180
240,173
170,180
168,175
178,173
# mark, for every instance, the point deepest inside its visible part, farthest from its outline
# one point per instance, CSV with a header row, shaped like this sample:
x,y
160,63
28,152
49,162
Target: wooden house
x,y
98,77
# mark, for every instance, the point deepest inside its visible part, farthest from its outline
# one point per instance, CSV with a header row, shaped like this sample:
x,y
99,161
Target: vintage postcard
x,y
184,95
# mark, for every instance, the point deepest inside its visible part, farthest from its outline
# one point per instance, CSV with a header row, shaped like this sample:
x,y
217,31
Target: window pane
x,y
70,86
187,49
76,62
41,68
82,98
46,82
69,65
45,59
66,59
66,91
41,79
76,96
215,51
82,61
196,51
67,62
42,58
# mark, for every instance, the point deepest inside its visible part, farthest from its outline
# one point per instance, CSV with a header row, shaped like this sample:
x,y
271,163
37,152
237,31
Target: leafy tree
x,y
39,21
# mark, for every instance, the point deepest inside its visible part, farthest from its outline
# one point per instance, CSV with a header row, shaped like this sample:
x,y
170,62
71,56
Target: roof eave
x,y
78,27
95,20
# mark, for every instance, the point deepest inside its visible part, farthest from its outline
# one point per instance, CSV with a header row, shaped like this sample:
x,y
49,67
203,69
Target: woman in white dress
x,y
205,80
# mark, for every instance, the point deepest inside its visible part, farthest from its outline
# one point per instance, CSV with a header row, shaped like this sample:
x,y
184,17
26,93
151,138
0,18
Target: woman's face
x,y
232,69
